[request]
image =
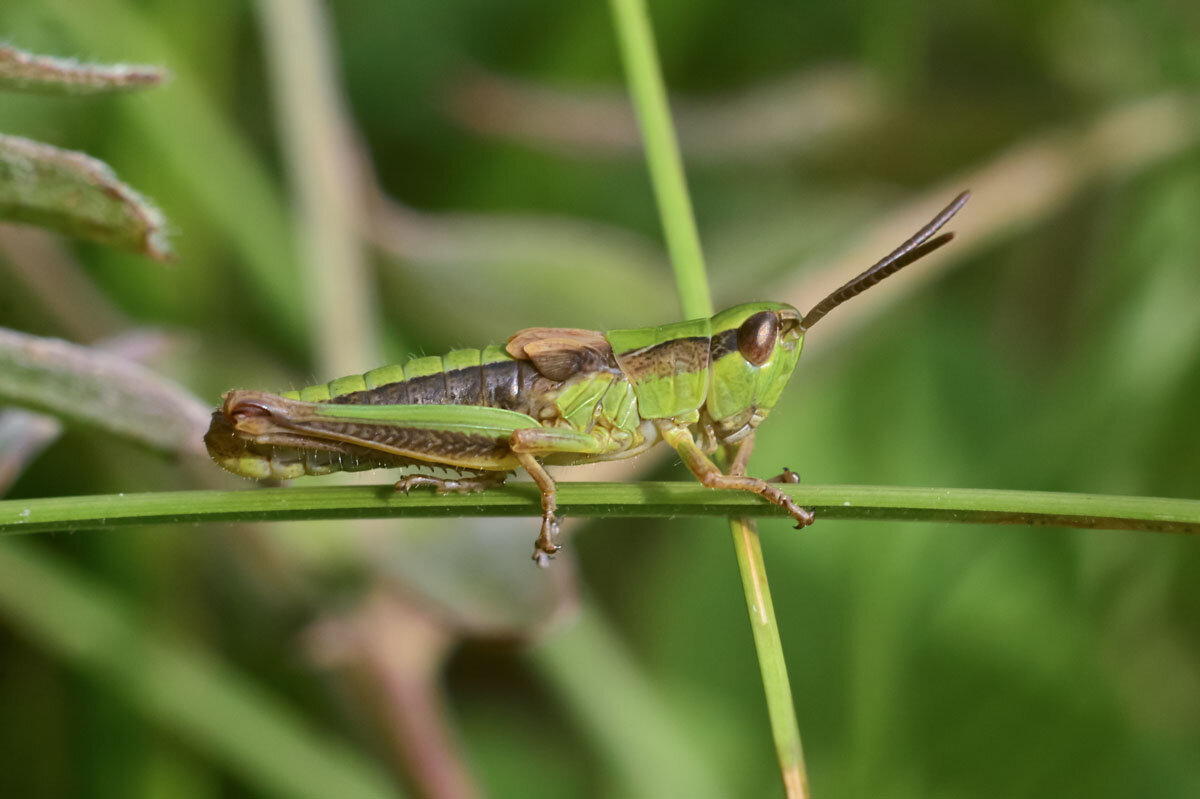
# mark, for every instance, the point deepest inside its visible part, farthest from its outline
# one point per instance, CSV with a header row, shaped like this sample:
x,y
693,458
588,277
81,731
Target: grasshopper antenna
x,y
912,250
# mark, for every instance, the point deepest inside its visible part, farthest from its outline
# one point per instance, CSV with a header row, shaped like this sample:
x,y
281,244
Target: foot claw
x,y
409,482
786,476
546,545
803,519
543,554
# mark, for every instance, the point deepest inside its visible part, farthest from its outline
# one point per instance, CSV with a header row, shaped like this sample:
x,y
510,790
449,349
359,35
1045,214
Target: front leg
x,y
680,438
741,460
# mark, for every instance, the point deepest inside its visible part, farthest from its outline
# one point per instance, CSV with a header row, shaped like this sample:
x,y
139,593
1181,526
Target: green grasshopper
x,y
550,396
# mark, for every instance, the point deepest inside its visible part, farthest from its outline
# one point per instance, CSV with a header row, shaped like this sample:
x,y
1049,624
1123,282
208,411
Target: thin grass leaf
x,y
25,72
89,386
606,500
78,195
636,37
772,666
640,56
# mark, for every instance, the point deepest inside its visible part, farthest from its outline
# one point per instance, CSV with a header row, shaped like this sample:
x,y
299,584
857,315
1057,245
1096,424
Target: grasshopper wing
x,y
559,352
460,436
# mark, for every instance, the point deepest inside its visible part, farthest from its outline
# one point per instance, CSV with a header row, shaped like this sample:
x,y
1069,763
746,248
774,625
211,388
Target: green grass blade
x,y
662,154
197,699
605,500
784,729
675,207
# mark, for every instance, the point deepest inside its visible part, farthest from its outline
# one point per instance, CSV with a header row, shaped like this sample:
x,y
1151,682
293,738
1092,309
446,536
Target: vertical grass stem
x,y
644,75
636,39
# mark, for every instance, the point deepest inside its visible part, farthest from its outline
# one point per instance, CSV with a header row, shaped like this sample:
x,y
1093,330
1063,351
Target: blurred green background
x,y
485,177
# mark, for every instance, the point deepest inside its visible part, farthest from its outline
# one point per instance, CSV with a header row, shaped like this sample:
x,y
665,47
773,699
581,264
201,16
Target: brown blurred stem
x,y
321,161
23,436
782,116
397,652
40,261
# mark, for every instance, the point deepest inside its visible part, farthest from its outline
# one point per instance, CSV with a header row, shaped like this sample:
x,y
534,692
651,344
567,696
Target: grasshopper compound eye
x,y
756,337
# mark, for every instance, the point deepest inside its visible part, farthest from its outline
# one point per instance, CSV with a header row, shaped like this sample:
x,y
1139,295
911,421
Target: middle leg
x,y
546,544
527,443
740,460
741,457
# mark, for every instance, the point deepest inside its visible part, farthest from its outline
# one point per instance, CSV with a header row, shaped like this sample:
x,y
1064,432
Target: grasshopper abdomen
x,y
488,378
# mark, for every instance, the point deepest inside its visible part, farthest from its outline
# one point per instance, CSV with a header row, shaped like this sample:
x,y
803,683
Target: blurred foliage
x,y
69,191
925,660
21,71
78,195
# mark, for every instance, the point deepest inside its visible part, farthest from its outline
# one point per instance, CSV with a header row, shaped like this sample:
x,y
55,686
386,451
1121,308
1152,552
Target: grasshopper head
x,y
754,347
753,353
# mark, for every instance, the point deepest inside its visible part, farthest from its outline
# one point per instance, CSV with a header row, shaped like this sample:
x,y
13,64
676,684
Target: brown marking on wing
x,y
723,343
593,339
559,352
670,358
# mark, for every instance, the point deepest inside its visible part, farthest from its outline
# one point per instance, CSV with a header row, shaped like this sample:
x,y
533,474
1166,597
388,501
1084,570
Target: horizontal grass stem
x,y
652,499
